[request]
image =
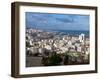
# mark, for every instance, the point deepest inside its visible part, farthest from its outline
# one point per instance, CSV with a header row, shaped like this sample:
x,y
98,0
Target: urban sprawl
x,y
53,45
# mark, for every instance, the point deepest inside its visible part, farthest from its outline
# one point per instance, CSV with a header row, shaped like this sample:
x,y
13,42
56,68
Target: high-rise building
x,y
82,38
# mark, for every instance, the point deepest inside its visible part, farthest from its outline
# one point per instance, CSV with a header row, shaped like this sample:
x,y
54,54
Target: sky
x,y
51,21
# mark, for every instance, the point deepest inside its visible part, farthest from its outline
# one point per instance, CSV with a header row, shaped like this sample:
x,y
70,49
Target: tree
x,y
54,59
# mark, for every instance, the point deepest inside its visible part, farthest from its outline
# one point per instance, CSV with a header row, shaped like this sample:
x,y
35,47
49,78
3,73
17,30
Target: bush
x,y
55,59
52,60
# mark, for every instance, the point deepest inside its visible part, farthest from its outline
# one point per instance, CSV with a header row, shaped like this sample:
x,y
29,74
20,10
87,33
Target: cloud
x,y
57,21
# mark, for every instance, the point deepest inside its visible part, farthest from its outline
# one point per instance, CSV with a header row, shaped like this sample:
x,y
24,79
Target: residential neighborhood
x,y
46,44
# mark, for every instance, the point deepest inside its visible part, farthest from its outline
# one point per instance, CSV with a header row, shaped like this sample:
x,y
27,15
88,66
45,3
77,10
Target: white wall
x,y
5,40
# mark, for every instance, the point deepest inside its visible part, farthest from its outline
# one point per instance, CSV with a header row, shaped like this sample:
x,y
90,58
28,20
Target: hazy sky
x,y
57,21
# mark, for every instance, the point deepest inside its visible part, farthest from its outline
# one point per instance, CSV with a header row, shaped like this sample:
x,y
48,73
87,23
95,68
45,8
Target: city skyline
x,y
49,21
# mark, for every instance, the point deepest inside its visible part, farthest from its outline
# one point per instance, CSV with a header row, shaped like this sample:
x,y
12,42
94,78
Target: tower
x,y
82,38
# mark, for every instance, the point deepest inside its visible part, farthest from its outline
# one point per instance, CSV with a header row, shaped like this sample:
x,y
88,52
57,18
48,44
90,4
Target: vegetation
x,y
27,44
54,59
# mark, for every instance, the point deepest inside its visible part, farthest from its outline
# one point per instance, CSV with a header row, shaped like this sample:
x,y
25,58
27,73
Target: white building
x,y
31,42
70,43
48,47
79,49
82,38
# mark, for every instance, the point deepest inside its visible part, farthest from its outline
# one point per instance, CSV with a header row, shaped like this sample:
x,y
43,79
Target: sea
x,y
69,32
73,32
